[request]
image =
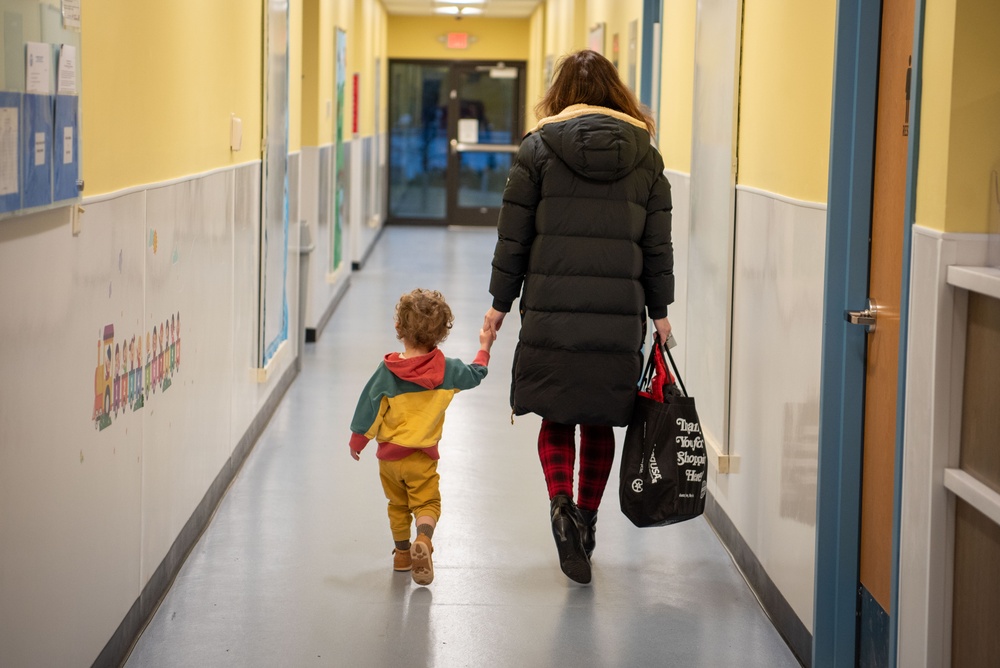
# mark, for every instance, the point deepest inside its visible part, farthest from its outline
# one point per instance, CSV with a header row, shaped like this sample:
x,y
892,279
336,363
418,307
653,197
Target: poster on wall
x,y
131,369
595,40
339,170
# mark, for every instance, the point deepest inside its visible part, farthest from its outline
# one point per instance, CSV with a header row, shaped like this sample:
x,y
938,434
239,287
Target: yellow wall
x,y
785,100
318,25
974,149
367,27
616,16
935,112
565,27
159,82
535,86
677,84
496,39
294,76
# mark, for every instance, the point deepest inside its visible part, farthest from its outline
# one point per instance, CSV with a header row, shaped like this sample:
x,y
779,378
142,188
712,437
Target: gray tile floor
x,y
295,568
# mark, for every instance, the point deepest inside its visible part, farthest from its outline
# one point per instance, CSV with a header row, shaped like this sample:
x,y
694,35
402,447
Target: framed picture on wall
x,y
595,40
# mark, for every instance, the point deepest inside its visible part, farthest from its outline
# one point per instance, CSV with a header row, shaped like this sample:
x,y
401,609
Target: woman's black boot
x,y
588,530
566,522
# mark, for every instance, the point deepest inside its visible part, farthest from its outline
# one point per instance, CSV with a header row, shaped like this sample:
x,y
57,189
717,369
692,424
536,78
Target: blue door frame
x,y
838,525
842,376
652,13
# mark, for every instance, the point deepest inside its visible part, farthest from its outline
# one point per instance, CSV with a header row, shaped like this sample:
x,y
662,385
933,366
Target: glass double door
x,y
454,129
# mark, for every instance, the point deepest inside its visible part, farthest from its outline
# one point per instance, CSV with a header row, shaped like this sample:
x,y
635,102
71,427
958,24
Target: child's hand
x,y
486,339
357,457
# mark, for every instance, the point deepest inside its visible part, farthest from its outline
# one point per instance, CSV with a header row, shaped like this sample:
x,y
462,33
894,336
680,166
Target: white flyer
x,y
67,70
68,145
39,149
38,66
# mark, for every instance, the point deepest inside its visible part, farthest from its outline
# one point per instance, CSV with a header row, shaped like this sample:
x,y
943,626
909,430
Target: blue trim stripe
x,y
652,12
852,150
904,312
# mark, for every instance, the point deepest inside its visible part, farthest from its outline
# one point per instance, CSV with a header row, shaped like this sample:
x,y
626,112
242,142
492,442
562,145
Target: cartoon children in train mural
x,y
125,378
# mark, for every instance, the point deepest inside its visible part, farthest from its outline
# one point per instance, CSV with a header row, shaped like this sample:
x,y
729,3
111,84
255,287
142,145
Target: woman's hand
x,y
493,320
486,339
662,329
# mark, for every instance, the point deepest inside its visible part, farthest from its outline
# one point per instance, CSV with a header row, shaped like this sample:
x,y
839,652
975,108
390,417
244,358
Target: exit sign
x,y
458,40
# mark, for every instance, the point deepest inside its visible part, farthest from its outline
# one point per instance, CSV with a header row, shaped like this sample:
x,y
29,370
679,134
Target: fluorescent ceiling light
x,y
461,2
446,10
471,11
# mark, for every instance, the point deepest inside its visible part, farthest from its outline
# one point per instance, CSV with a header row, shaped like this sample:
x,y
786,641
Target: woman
x,y
584,241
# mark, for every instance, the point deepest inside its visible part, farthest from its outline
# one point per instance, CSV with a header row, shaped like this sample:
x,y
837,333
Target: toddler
x,y
402,407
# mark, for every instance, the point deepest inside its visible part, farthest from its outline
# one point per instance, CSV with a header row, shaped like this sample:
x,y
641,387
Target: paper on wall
x,y
67,70
39,149
468,130
38,65
71,13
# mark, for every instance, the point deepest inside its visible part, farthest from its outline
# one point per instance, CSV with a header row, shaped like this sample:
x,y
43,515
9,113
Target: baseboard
x,y
785,620
117,649
355,266
331,307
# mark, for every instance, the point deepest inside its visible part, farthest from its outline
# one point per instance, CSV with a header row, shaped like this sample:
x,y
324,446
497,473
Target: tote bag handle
x,y
672,368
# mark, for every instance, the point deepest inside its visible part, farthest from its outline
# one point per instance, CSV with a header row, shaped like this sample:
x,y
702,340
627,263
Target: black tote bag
x,y
664,468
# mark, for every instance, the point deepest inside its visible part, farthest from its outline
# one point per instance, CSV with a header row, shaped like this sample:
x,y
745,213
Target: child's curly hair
x,y
423,318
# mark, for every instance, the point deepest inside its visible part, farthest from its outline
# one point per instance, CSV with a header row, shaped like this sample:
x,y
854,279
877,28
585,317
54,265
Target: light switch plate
x,y
236,133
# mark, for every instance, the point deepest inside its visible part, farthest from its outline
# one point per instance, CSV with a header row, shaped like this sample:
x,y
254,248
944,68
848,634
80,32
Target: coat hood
x,y
426,370
597,143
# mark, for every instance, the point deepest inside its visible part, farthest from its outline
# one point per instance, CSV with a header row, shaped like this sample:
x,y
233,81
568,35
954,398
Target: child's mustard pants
x,y
411,486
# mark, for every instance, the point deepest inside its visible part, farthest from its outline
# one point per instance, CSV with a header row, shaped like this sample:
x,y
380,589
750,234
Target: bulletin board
x,y
39,105
273,326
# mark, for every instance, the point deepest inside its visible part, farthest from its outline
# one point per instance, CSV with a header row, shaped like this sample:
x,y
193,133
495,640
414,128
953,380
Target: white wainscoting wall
x,y
770,495
680,189
88,514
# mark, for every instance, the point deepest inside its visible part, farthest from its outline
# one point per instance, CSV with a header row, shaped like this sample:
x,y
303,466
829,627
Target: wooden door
x,y
885,284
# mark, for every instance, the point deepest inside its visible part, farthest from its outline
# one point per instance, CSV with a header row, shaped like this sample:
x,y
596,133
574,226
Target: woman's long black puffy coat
x,y
584,241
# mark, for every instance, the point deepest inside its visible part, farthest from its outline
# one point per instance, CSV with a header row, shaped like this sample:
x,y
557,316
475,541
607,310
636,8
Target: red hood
x,y
426,370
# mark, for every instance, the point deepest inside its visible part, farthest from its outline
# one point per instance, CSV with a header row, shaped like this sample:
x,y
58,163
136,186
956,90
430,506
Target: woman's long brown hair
x,y
587,77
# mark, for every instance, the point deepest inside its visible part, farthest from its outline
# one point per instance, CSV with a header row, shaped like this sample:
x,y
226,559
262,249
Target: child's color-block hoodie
x,y
403,405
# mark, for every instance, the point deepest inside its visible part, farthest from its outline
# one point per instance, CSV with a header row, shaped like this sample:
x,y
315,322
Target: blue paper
x,y
66,156
11,201
37,150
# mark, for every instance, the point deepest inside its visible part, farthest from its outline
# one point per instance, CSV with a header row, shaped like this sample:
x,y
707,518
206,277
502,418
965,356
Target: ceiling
x,y
506,9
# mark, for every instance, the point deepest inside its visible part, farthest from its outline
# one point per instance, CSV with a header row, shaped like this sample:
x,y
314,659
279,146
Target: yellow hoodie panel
x,y
414,419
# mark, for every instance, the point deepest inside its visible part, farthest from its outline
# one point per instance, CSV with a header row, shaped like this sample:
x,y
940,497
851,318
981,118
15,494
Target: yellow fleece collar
x,y
577,110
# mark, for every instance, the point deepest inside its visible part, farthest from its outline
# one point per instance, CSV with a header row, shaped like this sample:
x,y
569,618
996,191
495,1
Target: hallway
x,y
295,567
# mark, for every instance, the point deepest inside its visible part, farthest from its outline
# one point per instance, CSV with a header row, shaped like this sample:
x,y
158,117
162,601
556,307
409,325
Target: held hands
x,y
493,320
486,339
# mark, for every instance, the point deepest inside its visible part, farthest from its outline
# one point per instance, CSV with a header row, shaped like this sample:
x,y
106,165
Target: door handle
x,y
864,318
461,147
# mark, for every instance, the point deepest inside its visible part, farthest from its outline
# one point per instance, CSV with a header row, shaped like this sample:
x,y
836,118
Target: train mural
x,y
130,371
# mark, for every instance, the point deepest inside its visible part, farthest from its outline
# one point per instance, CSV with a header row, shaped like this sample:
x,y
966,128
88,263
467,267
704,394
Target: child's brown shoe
x,y
422,567
401,560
